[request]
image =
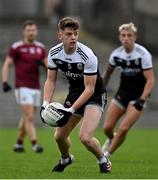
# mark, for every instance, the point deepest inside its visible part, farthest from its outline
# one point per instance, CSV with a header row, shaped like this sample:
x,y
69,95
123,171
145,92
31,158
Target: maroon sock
x,y
33,142
19,141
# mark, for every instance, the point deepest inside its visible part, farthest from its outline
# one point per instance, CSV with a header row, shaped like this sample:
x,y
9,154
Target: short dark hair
x,y
68,22
29,22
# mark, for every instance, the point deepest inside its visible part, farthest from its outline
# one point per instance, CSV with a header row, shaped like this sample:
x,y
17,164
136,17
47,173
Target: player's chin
x,y
72,45
31,40
127,45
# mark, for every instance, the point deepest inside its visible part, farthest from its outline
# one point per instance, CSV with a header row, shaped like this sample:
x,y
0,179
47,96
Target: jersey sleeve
x,y
91,66
44,53
111,60
51,63
147,61
12,52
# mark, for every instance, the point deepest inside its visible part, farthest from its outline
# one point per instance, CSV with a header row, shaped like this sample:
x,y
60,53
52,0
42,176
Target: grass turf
x,y
137,158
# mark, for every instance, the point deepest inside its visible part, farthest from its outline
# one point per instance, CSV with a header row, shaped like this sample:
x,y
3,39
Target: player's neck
x,y
69,50
26,41
129,49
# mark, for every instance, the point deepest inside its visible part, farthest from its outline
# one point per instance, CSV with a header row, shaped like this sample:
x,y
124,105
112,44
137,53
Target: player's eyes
x,y
68,34
126,35
76,34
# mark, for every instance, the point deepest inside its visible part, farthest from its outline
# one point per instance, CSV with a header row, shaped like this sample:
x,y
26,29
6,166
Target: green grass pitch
x,y
137,158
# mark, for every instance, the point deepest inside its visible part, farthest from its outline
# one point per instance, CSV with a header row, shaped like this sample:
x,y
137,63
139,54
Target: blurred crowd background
x,y
99,30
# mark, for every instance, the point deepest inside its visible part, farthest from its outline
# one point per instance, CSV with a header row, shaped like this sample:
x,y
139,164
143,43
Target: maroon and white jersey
x,y
26,57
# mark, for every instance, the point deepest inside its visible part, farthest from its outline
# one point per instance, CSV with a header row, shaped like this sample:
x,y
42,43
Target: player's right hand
x,y
139,104
45,103
40,63
41,110
6,87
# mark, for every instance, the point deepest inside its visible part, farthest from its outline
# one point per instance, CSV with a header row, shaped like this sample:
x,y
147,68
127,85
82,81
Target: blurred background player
x,y
26,55
136,84
86,97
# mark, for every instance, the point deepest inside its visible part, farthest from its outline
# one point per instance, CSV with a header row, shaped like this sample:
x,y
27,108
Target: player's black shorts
x,y
124,98
98,99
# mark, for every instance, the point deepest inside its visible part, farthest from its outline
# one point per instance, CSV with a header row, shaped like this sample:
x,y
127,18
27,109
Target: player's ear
x,y
59,36
119,37
135,37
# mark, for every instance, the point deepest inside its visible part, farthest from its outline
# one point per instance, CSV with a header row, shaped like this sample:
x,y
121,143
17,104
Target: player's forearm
x,y
107,74
5,73
148,88
106,78
49,88
87,93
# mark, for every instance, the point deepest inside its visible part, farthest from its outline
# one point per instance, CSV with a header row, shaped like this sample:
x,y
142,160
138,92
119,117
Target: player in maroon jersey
x,y
26,55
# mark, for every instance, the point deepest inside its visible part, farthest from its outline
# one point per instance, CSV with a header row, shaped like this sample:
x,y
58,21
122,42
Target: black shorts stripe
x,y
51,68
90,74
147,69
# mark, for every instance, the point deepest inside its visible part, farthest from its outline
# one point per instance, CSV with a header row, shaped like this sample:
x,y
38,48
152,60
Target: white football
x,y
51,115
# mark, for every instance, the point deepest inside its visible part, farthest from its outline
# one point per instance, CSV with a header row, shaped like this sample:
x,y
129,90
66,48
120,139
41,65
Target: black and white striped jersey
x,y
132,66
82,62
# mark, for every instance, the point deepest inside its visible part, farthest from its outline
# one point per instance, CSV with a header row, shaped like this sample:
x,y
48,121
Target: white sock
x,y
101,160
64,160
107,154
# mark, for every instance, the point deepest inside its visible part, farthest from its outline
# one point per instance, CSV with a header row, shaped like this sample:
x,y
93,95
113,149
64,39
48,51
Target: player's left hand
x,y
67,114
6,87
40,62
139,104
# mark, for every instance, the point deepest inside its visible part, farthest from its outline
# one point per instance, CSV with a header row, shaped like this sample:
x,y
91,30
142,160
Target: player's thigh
x,y
130,117
91,119
27,110
23,96
36,95
113,113
66,129
28,99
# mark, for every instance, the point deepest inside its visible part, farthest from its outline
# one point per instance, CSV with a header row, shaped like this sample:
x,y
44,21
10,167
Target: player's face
x,y
30,33
69,37
127,39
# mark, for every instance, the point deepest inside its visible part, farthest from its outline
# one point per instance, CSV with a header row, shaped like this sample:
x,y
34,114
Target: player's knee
x,y
108,129
29,118
21,128
58,137
85,139
122,132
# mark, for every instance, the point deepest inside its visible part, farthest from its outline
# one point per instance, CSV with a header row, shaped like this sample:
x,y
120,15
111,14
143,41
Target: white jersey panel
x,y
53,51
83,56
138,53
146,64
91,66
51,64
132,65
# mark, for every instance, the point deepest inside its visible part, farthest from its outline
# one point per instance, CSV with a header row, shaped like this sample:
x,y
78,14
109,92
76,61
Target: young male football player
x,y
86,97
26,55
136,84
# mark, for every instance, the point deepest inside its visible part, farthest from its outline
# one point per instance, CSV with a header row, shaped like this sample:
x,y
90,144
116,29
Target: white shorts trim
x,y
95,105
28,96
117,103
90,105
